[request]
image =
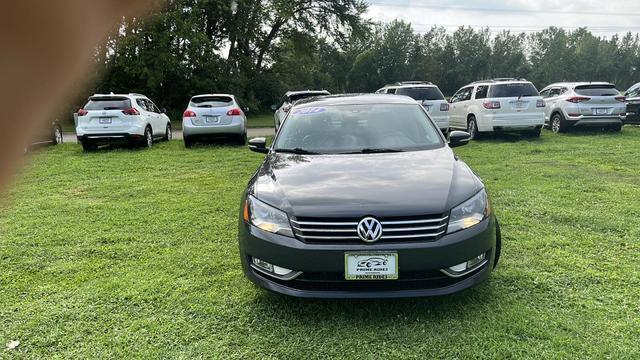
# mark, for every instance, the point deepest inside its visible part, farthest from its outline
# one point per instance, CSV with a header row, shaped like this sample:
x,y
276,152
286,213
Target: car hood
x,y
387,184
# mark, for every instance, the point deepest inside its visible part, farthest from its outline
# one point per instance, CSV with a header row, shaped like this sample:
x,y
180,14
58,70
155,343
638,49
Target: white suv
x,y
576,104
428,95
116,118
497,105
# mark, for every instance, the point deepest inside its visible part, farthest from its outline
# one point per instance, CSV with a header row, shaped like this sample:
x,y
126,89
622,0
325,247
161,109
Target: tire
x,y
168,134
188,143
498,244
558,124
615,127
148,138
88,146
57,136
534,132
242,139
472,127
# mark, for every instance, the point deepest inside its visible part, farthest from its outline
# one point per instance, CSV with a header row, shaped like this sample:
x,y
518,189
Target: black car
x,y
353,178
633,104
50,134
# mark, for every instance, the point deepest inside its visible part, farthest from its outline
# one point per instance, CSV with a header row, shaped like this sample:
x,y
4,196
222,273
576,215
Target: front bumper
x,y
322,265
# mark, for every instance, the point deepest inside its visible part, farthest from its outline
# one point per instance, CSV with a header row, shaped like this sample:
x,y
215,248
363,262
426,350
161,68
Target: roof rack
x,y
135,94
499,80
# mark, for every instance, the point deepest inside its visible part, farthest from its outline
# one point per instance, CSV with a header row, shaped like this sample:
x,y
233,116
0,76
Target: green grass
x,y
127,253
260,120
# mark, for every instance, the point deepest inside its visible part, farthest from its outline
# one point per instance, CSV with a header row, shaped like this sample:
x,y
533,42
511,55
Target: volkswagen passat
x,y
361,196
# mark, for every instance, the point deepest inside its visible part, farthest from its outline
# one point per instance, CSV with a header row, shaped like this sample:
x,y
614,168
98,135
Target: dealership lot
x,y
134,253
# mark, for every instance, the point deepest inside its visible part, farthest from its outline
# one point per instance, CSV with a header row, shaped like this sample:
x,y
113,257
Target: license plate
x,y
600,111
371,266
520,104
212,119
105,120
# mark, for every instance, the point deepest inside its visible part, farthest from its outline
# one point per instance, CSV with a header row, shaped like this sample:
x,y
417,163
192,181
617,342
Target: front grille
x,y
394,229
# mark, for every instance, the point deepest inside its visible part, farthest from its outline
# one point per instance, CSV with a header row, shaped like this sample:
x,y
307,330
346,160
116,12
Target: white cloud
x,y
603,18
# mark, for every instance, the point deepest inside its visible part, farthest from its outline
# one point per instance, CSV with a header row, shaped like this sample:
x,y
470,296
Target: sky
x,y
603,18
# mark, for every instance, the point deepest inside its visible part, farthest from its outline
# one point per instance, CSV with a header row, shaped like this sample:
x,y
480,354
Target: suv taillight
x,y
577,99
444,107
82,112
540,103
621,98
131,111
234,112
491,105
188,113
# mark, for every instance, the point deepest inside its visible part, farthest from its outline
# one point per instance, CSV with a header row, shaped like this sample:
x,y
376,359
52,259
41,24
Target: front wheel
x,y
472,128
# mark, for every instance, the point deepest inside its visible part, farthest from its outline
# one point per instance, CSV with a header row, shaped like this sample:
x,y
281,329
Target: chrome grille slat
x,y
337,230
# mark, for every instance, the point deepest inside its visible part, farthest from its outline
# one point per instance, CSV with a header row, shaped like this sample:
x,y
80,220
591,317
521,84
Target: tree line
x,y
258,49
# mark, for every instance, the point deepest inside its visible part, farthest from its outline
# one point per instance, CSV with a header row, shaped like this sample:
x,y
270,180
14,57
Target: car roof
x,y
409,86
130,95
578,83
356,99
298,92
203,95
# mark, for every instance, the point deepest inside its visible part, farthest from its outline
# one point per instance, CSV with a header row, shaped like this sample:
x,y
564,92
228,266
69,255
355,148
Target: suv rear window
x,y
421,93
211,101
108,103
295,97
512,90
597,90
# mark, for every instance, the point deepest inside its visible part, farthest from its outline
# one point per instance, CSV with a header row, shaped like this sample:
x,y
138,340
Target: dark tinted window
x,y
296,97
512,90
421,93
597,90
481,91
108,103
211,101
352,128
391,90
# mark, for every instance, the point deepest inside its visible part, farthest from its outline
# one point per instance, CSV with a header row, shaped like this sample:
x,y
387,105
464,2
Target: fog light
x,y
274,270
466,267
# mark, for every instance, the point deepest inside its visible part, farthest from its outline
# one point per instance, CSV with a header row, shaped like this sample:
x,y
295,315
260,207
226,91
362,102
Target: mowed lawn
x,y
133,253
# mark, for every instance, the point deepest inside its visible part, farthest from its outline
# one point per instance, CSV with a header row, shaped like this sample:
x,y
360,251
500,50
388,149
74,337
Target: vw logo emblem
x,y
369,229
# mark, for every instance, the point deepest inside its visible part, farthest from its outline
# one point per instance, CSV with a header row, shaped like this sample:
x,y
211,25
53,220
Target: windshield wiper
x,y
375,150
299,151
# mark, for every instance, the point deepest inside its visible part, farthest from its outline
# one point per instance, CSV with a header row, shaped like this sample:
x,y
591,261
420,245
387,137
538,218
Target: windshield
x,y
421,93
513,90
597,90
357,129
108,104
211,101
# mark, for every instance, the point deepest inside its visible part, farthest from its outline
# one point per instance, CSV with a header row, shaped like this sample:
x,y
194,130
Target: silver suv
x,y
428,95
572,104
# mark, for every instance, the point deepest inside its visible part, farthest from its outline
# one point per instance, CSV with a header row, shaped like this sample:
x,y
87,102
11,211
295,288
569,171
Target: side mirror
x,y
245,109
274,108
459,138
163,110
258,145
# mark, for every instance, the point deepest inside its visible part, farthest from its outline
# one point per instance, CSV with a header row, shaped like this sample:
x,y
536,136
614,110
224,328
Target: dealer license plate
x,y
212,119
105,120
371,266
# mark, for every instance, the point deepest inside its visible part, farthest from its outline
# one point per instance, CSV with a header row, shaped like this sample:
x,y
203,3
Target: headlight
x,y
469,213
266,217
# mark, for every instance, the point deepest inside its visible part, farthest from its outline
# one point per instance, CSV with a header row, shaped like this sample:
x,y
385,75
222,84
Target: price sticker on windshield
x,y
309,111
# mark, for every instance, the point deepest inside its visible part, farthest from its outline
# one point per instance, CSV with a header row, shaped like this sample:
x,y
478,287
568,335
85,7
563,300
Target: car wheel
x,y
498,244
535,132
558,124
148,138
242,139
168,135
57,136
472,128
88,146
616,127
188,143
